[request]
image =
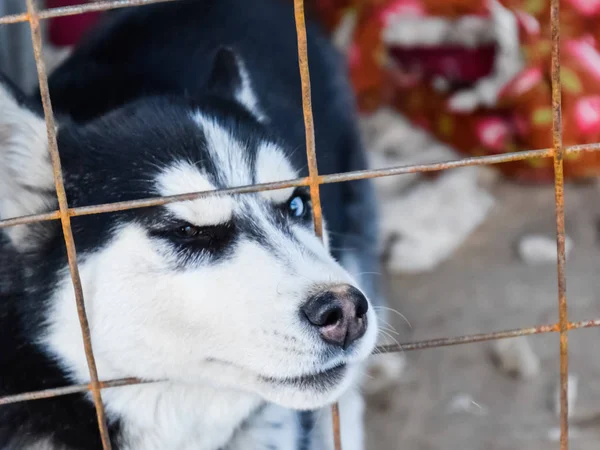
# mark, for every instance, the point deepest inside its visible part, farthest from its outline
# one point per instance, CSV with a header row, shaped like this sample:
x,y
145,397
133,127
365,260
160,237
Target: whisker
x,y
343,249
392,338
390,330
369,273
388,326
395,311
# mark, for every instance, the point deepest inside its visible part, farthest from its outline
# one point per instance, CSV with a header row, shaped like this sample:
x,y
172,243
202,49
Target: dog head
x,y
233,290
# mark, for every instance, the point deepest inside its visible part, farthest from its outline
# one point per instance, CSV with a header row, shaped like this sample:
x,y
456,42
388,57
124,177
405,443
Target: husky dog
x,y
247,324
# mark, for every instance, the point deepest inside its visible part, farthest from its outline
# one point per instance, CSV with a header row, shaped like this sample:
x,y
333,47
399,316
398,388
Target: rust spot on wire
x,y
149,202
323,179
67,390
337,432
560,224
36,37
311,154
435,167
309,127
410,346
157,201
473,338
33,218
470,339
78,9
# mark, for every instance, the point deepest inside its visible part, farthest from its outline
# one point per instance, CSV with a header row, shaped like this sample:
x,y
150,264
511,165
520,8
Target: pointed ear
x,y
229,79
26,180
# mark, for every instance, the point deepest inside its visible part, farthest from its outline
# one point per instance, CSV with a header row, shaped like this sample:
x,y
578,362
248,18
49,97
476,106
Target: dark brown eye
x,y
187,232
187,237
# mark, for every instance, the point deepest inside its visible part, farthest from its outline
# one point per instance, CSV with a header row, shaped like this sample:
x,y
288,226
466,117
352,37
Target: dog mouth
x,y
322,380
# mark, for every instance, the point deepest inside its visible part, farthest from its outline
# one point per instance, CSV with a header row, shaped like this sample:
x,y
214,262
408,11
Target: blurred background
x,y
468,250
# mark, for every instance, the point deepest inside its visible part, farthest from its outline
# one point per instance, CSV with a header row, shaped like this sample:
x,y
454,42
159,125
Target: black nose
x,y
339,313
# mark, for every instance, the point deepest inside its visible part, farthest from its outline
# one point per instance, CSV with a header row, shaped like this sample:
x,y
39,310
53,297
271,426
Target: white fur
x,y
351,407
273,428
178,416
25,171
271,166
185,178
226,151
42,444
246,96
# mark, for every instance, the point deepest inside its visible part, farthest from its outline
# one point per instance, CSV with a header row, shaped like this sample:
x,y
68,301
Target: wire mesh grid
x,y
314,180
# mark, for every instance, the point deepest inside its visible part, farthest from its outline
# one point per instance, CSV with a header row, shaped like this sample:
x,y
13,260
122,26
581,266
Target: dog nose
x,y
339,313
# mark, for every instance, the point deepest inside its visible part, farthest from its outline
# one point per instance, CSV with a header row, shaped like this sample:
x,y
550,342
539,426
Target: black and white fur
x,y
163,100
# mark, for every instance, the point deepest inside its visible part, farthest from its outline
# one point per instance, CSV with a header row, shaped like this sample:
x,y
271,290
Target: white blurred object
x,y
508,63
343,34
408,30
54,56
501,28
423,219
433,219
464,403
16,50
540,249
554,433
515,356
383,371
572,390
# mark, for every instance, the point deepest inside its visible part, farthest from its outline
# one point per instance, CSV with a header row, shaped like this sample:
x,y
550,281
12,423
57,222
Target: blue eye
x,y
297,207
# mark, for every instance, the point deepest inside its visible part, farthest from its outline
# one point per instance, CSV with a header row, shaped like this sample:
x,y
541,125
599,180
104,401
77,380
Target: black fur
x,y
123,100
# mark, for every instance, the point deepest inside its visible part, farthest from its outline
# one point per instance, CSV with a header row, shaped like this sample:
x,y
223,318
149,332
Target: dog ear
x,y
26,179
229,79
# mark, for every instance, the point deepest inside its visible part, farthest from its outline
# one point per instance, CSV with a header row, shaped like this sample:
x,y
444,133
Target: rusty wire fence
x,y
314,180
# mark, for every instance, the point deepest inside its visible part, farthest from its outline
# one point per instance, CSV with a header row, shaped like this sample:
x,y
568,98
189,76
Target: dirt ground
x,y
486,287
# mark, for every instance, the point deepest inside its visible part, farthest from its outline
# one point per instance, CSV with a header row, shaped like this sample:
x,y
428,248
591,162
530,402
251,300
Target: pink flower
x,y
586,7
523,82
521,125
401,8
528,23
493,133
354,55
589,39
587,114
586,54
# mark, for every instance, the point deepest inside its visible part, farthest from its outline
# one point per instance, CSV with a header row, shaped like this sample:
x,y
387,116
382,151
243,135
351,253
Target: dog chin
x,y
310,391
321,387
